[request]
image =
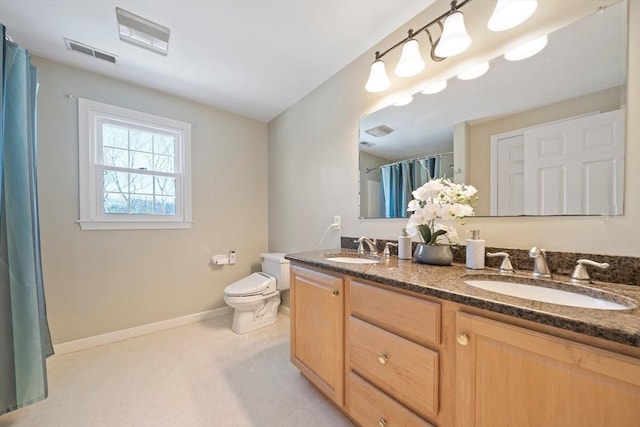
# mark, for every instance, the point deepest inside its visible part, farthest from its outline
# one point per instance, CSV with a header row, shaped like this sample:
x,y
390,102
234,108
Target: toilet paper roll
x,y
220,259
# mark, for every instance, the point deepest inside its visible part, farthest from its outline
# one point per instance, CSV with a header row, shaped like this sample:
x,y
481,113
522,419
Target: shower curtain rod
x,y
435,156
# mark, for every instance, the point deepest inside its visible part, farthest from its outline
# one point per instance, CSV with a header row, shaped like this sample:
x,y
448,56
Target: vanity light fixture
x,y
435,87
527,50
452,41
511,13
475,71
141,32
453,38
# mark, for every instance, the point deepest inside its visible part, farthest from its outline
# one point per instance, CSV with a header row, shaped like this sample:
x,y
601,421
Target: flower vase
x,y
433,254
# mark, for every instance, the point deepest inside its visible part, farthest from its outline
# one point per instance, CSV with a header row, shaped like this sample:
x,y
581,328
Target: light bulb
x,y
527,50
411,62
454,38
378,80
511,13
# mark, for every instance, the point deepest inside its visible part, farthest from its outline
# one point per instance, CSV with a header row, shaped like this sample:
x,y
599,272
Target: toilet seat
x,y
256,284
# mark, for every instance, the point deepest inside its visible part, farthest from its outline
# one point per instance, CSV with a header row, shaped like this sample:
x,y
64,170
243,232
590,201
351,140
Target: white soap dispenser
x,y
404,246
475,251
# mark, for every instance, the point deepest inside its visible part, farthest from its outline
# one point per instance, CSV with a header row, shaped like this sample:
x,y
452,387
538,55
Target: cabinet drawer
x,y
413,318
370,407
406,371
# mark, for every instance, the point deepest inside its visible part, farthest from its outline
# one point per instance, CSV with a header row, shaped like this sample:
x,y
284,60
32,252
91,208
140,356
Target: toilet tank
x,y
274,264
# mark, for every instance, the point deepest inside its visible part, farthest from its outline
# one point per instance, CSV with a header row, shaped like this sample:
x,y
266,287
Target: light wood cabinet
x,y
389,366
511,376
317,329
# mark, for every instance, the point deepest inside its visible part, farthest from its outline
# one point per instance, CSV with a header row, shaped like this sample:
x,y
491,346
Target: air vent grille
x,y
379,131
91,51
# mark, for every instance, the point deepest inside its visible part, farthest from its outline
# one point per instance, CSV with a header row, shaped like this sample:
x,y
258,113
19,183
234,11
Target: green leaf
x,y
435,235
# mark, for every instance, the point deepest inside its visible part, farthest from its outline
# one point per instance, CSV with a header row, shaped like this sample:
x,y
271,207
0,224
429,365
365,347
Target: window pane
x,y
165,205
114,136
115,182
116,203
164,144
116,157
140,160
165,186
164,163
141,204
141,184
140,141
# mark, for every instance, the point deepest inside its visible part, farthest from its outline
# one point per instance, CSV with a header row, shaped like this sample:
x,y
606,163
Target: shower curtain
x,y
400,179
25,341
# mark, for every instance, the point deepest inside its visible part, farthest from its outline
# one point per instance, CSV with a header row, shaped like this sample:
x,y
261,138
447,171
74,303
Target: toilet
x,y
256,297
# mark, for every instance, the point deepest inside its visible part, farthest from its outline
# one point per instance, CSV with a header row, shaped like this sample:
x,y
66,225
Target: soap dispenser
x,y
404,246
475,251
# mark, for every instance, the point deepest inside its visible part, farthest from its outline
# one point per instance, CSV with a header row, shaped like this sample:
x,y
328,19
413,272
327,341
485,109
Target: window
x,y
134,169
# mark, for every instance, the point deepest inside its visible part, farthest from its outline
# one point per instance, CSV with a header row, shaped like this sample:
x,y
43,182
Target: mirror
x,y
466,132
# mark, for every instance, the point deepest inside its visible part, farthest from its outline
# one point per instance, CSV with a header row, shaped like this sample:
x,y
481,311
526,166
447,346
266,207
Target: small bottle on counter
x,y
475,251
404,246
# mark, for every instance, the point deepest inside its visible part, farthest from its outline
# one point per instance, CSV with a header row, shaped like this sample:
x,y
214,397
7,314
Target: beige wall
x,y
479,134
313,155
103,281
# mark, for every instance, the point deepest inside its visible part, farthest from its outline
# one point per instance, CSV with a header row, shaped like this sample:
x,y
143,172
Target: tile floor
x,y
198,375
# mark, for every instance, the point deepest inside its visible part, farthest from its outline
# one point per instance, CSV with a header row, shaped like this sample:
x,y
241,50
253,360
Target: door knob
x,y
463,339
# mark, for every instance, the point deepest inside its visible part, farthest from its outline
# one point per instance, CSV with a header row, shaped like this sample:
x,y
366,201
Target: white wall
x,y
313,155
102,281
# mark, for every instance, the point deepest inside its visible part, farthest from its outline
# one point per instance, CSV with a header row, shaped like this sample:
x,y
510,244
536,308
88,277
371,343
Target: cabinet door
x,y
510,376
317,329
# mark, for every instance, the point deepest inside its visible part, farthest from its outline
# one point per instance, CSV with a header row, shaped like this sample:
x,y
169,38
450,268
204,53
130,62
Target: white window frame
x,y
91,115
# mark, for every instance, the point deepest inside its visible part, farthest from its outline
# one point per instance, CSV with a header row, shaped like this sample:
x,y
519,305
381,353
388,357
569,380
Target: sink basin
x,y
353,260
553,296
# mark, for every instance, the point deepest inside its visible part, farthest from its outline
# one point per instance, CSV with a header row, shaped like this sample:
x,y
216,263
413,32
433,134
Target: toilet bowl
x,y
255,298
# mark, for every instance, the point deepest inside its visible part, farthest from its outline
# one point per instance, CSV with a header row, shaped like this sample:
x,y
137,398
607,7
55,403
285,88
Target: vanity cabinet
x,y
393,360
511,376
317,329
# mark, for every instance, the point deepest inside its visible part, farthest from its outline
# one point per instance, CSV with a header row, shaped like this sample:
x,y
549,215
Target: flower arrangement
x,y
439,199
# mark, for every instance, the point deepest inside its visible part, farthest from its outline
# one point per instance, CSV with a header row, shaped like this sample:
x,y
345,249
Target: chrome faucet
x,y
505,266
540,267
386,254
580,273
371,243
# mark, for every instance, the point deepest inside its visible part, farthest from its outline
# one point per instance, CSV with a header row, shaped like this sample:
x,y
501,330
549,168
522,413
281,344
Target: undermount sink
x,y
353,260
555,296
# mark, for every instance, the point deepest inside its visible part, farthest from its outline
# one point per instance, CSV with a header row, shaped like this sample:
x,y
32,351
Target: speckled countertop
x,y
447,283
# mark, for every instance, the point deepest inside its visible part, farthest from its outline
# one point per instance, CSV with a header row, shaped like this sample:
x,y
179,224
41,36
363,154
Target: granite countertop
x,y
447,283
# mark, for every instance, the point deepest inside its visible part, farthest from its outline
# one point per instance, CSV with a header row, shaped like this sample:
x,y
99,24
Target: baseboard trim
x,y
111,337
283,309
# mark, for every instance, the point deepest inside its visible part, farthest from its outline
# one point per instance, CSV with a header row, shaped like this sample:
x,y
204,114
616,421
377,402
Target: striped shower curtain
x,y
24,333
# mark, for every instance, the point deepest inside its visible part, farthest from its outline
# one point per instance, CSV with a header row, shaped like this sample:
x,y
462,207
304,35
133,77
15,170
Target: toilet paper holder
x,y
220,259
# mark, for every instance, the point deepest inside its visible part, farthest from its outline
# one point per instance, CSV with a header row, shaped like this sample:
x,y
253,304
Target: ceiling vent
x,y
143,33
91,51
378,131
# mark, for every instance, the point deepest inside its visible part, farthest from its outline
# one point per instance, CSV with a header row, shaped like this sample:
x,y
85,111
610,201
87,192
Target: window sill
x,y
133,225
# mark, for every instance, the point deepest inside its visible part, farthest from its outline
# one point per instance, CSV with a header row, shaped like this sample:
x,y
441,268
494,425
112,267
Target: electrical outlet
x,y
232,257
337,222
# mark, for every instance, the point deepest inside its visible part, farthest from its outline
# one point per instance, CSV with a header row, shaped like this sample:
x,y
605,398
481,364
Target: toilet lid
x,y
254,284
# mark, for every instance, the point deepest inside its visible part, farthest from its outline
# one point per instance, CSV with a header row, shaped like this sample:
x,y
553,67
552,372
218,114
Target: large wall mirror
x,y
540,136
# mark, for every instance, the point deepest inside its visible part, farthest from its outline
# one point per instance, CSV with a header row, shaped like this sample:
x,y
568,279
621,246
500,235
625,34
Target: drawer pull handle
x,y
335,292
463,339
383,358
382,422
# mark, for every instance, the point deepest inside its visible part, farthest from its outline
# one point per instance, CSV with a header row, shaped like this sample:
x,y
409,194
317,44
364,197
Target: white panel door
x,y
510,175
575,167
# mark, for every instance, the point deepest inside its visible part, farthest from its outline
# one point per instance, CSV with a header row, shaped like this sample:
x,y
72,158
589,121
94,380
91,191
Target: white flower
x,y
439,199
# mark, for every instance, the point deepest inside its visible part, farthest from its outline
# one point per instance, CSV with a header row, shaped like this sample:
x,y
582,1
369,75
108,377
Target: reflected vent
x,y
381,130
91,51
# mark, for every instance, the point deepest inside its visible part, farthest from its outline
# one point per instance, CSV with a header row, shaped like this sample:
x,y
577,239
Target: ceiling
x,y
255,58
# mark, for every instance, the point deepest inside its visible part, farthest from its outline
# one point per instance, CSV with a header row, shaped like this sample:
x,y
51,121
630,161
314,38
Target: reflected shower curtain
x,y
400,179
24,333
